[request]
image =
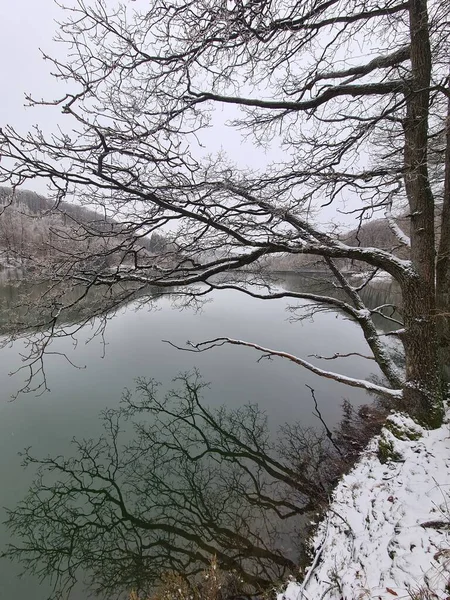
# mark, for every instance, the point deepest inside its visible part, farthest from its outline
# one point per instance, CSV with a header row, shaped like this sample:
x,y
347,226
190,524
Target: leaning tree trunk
x,y
423,389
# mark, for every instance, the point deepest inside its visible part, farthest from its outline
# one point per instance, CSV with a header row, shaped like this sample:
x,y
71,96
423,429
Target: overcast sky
x,y
30,25
27,25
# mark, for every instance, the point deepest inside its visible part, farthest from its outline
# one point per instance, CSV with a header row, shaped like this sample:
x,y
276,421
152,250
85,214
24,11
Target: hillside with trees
x,y
37,233
375,233
34,228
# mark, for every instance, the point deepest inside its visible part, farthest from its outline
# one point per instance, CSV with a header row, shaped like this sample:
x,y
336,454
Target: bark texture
x,y
423,389
443,265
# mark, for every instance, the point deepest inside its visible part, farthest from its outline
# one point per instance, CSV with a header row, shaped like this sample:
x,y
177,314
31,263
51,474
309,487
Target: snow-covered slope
x,y
387,532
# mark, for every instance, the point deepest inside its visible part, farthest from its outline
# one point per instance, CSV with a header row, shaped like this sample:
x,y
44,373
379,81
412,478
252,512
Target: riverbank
x,y
387,531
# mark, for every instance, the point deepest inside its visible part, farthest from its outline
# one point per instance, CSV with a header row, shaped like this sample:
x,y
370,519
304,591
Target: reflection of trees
x,y
28,306
192,483
19,299
382,298
40,314
24,301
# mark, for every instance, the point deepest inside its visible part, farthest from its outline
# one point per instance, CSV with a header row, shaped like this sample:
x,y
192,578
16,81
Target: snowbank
x,y
387,531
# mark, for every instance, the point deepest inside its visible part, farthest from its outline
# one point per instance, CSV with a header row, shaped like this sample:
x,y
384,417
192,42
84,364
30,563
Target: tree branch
x,y
359,383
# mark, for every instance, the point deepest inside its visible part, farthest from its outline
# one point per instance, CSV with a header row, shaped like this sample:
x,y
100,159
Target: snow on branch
x,y
339,355
368,89
393,225
269,353
379,62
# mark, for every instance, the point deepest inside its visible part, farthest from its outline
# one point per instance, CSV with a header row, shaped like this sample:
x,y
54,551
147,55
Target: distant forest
x,y
371,233
35,232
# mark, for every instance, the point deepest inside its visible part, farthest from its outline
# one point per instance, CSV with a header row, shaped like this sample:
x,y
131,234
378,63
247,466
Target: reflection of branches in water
x,y
318,414
40,315
192,483
40,312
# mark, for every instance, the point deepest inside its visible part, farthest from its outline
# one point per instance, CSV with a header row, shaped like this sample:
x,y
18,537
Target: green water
x,y
134,347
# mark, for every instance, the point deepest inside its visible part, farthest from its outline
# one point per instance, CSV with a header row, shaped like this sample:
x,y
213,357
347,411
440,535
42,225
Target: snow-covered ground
x,y
387,532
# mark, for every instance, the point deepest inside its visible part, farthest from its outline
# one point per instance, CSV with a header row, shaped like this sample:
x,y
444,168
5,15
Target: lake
x,y
135,347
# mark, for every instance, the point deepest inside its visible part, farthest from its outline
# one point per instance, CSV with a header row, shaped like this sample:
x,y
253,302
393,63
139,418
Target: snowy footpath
x,y
387,532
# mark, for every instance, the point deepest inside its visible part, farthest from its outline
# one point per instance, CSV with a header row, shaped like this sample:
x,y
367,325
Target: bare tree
x,y
143,87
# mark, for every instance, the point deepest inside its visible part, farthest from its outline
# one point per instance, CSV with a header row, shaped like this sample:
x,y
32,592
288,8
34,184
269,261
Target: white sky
x,y
26,26
30,25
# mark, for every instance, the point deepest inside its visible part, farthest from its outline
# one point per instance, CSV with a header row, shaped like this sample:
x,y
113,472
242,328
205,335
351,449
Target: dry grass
x,y
213,584
436,583
422,593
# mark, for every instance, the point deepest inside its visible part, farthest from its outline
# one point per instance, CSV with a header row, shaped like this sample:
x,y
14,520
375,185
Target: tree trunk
x,y
423,386
423,389
443,266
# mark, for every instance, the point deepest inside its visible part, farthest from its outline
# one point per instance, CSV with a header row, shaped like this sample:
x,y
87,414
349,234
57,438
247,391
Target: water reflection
x,y
134,348
25,302
190,483
377,293
25,305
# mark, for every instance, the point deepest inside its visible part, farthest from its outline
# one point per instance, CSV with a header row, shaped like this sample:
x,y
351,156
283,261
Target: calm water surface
x,y
135,348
